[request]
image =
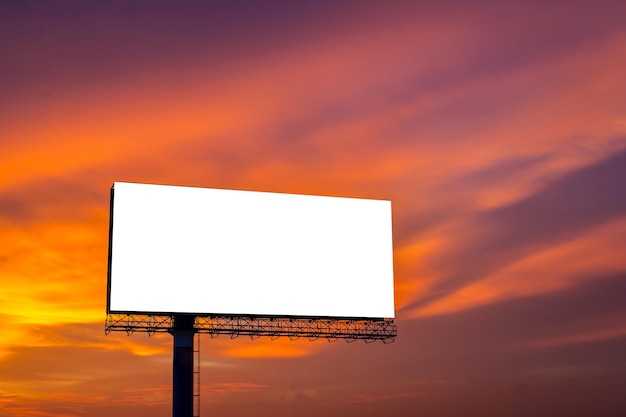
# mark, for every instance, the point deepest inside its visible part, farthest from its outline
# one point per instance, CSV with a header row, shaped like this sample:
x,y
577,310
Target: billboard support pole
x,y
182,374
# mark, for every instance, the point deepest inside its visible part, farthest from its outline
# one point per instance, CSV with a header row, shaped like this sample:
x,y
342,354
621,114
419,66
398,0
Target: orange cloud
x,y
598,253
428,109
280,348
46,264
585,337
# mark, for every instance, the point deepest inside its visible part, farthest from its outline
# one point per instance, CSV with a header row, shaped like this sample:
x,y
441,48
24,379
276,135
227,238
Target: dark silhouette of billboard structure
x,y
143,297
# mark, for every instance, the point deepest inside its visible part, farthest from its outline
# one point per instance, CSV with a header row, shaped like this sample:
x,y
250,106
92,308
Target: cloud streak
x,y
497,130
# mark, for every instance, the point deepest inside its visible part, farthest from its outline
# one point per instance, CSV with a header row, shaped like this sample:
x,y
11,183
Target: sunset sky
x,y
497,129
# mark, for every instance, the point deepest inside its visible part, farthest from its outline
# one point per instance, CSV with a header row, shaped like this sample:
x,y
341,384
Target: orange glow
x,y
226,387
451,112
280,348
44,265
413,276
599,252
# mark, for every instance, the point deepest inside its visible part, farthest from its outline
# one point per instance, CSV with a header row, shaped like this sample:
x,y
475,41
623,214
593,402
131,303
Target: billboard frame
x,y
214,314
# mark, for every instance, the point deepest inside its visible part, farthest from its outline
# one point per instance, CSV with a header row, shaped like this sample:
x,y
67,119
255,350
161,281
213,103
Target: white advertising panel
x,y
211,251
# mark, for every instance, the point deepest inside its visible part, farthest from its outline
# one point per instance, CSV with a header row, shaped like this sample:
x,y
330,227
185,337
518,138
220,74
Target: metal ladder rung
x,y
196,375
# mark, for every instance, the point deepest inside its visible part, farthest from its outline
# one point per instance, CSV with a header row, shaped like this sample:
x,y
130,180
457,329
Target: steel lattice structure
x,y
274,327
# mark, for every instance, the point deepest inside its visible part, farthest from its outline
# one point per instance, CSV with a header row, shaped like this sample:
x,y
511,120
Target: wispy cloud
x,y
497,130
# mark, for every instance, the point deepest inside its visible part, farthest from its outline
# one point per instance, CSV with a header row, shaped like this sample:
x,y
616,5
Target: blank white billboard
x,y
226,252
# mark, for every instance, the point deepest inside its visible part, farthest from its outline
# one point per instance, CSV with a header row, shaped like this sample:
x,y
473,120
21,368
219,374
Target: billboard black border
x,y
110,256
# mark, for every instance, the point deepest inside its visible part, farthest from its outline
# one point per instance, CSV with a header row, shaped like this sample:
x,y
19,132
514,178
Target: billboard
x,y
207,251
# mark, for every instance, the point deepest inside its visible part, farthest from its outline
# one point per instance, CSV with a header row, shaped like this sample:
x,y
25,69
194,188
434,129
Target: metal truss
x,y
273,327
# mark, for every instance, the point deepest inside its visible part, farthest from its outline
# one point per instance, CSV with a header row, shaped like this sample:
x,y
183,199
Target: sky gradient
x,y
497,130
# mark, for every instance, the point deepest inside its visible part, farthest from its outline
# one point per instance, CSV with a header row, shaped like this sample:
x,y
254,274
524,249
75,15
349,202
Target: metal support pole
x,y
182,382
